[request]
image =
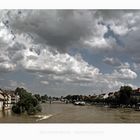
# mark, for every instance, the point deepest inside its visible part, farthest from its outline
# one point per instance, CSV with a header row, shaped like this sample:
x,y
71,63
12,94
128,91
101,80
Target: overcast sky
x,y
60,52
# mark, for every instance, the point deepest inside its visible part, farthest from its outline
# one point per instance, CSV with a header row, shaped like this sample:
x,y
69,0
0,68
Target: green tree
x,y
125,94
27,103
38,97
44,97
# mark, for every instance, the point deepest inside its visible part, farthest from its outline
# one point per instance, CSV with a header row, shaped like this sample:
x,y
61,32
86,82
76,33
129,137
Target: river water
x,y
69,113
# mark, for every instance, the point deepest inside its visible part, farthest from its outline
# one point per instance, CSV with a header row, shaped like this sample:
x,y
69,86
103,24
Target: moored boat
x,y
137,108
79,103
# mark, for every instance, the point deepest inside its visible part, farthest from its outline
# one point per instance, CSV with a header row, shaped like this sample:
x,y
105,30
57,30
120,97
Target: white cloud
x,y
5,34
121,30
6,67
57,63
114,84
124,65
98,41
112,61
124,73
44,82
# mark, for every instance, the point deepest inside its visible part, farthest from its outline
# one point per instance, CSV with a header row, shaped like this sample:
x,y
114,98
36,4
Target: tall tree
x,y
125,94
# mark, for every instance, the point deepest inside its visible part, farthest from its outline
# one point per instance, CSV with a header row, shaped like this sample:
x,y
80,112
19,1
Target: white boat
x,y
137,108
79,103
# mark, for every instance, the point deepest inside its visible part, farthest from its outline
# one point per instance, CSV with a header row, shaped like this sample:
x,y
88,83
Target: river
x,y
69,113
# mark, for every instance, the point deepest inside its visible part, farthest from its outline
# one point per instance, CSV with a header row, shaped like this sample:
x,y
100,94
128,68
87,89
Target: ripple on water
x,y
42,117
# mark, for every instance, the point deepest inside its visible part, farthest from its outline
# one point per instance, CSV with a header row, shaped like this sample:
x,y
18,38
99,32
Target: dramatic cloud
x,y
56,28
58,64
69,48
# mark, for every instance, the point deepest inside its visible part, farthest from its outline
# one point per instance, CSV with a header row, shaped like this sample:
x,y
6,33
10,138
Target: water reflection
x,y
5,113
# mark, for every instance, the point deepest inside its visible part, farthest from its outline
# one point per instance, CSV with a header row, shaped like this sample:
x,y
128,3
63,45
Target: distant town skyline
x,y
61,52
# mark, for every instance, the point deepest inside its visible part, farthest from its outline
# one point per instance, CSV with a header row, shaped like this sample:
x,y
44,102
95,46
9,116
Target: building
x,y
7,99
101,96
137,90
111,94
136,93
8,102
14,97
1,100
105,96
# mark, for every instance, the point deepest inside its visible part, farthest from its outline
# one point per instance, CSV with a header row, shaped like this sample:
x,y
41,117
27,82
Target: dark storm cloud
x,y
132,41
58,28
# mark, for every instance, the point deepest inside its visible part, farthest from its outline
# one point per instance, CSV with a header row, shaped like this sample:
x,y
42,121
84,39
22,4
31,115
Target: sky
x,y
61,52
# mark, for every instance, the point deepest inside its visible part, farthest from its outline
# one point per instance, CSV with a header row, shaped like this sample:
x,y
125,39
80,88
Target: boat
x,y
137,108
79,103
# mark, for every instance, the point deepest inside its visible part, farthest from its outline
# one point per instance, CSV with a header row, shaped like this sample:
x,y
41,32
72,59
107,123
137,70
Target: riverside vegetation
x,y
30,104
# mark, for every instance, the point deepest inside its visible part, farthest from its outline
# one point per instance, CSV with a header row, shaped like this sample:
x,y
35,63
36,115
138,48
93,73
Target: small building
x,y
5,99
105,96
136,90
1,101
13,98
101,96
111,94
136,93
9,105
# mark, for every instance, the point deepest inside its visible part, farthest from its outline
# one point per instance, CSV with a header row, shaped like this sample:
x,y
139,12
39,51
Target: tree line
x,y
121,97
